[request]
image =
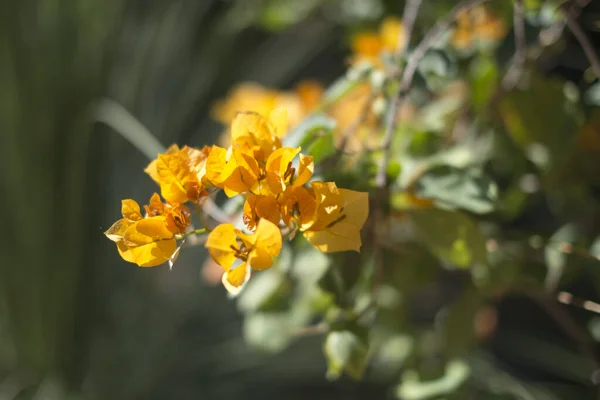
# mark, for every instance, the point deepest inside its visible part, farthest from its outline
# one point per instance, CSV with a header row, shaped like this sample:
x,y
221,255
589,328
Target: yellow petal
x,y
219,244
150,254
260,259
305,170
250,129
342,236
277,165
151,168
355,207
329,204
147,231
310,93
117,230
155,206
366,45
215,164
131,210
279,119
390,31
239,275
147,242
257,207
234,280
174,175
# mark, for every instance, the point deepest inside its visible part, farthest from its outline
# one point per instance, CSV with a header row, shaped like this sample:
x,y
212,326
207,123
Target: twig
x,y
310,330
516,69
568,325
568,299
584,42
407,77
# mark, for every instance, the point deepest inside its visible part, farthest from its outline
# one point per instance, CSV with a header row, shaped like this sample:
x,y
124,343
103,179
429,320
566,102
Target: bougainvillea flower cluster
x,y
280,200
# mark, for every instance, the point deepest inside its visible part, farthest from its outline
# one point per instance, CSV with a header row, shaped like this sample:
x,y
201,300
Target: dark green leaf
x,y
555,256
345,351
305,133
412,388
322,147
450,235
458,188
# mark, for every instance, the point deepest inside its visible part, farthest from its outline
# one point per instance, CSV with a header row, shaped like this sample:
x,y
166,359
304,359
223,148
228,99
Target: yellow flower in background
x,y
226,244
147,242
478,23
367,46
251,131
252,97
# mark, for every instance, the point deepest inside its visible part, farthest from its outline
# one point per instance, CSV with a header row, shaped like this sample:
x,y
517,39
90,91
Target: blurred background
x,y
77,322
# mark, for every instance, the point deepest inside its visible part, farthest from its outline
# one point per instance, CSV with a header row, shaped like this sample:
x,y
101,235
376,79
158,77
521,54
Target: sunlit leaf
x,y
450,235
466,189
345,352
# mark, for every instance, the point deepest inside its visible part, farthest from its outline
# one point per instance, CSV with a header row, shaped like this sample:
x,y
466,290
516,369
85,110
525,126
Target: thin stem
x,y
566,322
181,236
407,77
201,217
516,69
310,330
584,42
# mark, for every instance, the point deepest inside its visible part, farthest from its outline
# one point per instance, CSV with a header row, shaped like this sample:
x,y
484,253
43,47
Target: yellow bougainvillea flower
x,y
252,132
338,217
392,34
238,171
310,93
226,245
146,242
258,207
177,216
367,46
476,24
253,97
180,173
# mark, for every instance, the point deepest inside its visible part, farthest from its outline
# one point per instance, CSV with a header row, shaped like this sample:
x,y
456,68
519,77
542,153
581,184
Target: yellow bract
x,y
367,46
338,218
256,250
180,173
476,24
146,242
255,98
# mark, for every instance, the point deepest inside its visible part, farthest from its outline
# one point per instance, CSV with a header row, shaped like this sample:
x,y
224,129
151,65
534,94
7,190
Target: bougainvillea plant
x,y
356,202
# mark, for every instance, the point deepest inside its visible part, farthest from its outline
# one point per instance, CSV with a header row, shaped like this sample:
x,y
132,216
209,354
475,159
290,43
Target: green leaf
x,y
595,248
305,133
484,80
337,90
280,14
542,121
345,351
412,388
267,331
262,289
452,236
322,147
555,258
459,321
437,69
458,188
592,94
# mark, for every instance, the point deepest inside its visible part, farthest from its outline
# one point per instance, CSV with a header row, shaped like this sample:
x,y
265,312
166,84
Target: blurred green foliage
x,y
464,304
